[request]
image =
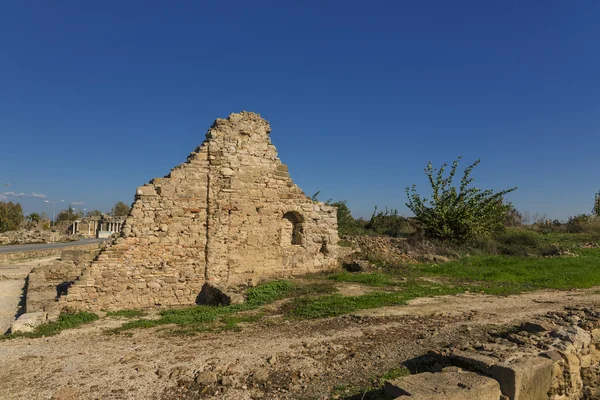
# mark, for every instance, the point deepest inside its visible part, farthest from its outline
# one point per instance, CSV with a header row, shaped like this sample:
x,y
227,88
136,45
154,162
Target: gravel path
x,y
12,282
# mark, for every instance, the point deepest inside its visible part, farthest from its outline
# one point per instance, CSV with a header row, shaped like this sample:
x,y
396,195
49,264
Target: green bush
x,y
457,214
389,223
347,224
11,216
519,243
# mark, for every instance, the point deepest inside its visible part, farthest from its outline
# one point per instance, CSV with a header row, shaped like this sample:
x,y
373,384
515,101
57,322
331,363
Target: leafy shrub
x,y
457,214
389,223
578,223
11,216
519,243
347,224
513,217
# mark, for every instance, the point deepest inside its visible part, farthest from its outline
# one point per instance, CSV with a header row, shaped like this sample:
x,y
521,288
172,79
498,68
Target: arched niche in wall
x,y
292,232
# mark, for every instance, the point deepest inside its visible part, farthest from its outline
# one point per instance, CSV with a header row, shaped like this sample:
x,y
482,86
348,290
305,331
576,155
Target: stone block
x,y
444,386
522,378
28,321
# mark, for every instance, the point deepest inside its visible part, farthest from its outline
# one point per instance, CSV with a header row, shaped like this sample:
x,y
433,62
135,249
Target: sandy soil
x,y
12,282
271,359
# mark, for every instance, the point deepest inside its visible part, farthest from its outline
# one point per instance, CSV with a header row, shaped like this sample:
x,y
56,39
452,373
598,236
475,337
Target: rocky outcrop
x,y
229,215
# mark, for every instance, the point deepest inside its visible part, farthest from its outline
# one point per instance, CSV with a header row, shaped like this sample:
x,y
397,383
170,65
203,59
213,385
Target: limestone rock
x,y
206,378
444,386
28,321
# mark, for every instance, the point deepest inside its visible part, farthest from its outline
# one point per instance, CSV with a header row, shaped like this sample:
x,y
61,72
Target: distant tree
x,y
596,209
34,217
347,224
389,223
11,216
94,213
457,214
513,217
120,210
69,215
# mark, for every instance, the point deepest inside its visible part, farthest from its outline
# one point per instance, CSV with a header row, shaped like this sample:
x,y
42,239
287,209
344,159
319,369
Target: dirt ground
x,y
271,359
12,281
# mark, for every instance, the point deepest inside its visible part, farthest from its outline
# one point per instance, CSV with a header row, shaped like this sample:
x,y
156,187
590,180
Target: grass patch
x,y
269,292
65,321
369,279
336,305
203,318
127,313
504,274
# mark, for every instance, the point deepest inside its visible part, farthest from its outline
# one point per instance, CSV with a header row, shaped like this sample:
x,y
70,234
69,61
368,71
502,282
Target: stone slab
x,y
444,386
28,321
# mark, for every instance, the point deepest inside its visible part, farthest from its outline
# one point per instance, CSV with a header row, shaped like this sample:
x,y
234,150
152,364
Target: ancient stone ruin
x,y
230,215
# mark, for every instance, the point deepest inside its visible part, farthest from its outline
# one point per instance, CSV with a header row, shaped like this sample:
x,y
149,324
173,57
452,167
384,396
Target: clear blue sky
x,y
97,98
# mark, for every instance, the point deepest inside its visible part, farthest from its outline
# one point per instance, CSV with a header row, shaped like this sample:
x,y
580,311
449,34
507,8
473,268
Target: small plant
x,y
457,214
65,321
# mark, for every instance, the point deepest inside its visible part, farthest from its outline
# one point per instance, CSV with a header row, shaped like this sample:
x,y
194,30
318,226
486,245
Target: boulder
x,y
28,321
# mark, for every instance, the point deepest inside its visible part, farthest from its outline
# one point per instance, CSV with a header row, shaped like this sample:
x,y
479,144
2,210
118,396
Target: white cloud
x,y
13,194
77,203
6,195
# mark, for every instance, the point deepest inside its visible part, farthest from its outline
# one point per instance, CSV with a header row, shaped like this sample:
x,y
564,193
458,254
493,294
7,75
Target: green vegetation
x,y
34,217
369,279
503,274
457,214
93,213
69,215
389,223
347,224
11,216
192,320
65,321
127,313
336,304
268,292
120,209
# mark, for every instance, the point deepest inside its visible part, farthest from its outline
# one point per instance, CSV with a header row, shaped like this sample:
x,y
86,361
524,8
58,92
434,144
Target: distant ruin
x,y
230,215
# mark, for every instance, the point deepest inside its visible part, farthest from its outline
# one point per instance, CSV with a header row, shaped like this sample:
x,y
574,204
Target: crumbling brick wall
x,y
230,215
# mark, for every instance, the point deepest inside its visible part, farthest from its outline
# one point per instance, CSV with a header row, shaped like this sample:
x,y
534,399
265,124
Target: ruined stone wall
x,y
230,215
